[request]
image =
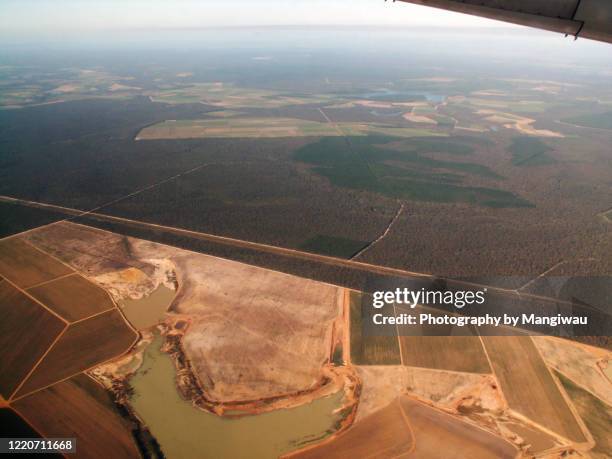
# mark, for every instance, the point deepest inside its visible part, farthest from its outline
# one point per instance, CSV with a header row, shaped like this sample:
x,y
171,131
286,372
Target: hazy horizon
x,y
24,16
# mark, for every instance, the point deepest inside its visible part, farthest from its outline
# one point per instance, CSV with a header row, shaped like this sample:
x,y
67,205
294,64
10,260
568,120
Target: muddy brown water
x,y
149,310
184,431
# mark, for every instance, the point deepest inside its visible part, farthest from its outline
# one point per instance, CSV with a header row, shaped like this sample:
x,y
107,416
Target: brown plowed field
x,y
453,353
80,408
82,346
383,434
26,266
73,297
26,332
435,431
528,385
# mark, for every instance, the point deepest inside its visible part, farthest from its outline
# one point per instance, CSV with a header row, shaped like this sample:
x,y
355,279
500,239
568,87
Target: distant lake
x,y
391,95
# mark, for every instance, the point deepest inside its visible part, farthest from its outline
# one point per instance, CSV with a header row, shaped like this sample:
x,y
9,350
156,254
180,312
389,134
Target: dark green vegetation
x,y
595,120
370,350
400,169
81,153
333,246
16,219
245,188
596,415
530,151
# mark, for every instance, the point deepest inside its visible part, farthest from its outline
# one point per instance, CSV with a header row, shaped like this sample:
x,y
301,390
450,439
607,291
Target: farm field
x,y
72,297
76,351
27,266
431,428
596,121
388,426
451,353
369,350
529,386
233,96
596,415
27,330
237,127
446,352
81,408
241,127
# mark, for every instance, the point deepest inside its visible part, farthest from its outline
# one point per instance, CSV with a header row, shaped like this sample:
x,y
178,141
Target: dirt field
x,y
269,128
461,393
529,386
453,353
82,346
26,332
434,429
73,297
237,128
80,408
384,434
596,415
26,266
577,362
254,333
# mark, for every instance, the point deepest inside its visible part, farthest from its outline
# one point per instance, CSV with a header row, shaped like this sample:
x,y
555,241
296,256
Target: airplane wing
x,y
579,18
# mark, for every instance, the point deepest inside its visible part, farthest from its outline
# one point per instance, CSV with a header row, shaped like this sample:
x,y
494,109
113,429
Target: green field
x,y
400,171
370,350
236,127
333,246
231,96
596,120
530,151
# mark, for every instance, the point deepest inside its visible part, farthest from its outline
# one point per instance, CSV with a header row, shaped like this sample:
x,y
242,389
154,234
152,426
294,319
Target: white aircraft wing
x,y
579,18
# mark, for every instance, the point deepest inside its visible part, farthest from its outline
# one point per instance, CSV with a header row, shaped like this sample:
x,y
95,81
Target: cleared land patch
x,y
80,408
26,266
529,386
82,346
26,332
231,96
595,120
596,415
370,350
435,429
266,128
445,352
383,434
237,128
519,123
73,297
453,353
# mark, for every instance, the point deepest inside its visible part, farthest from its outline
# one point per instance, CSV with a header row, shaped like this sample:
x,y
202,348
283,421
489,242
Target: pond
x,y
149,310
184,431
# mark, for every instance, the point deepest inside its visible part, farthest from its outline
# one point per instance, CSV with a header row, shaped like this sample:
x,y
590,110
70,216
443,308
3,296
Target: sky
x,y
61,16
